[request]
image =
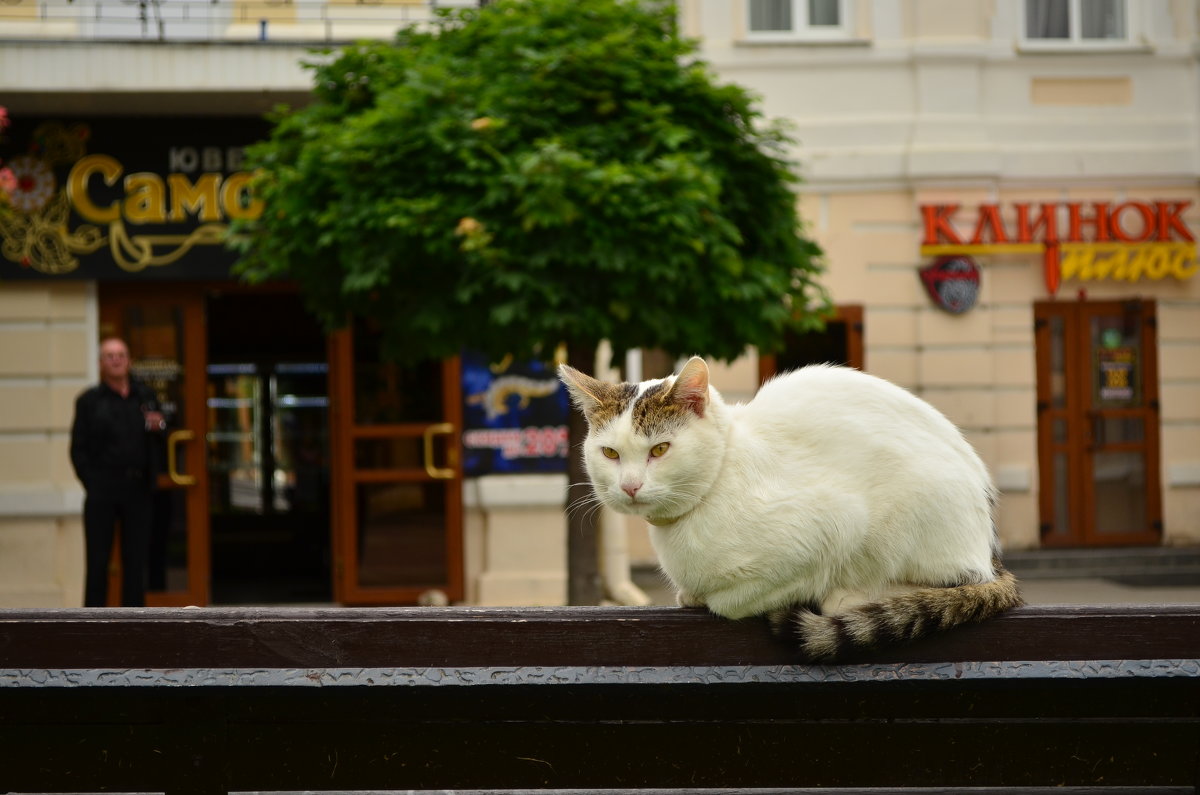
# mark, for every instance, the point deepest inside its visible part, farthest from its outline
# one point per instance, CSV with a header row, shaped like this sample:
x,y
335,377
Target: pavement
x,y
1157,575
1071,591
1134,575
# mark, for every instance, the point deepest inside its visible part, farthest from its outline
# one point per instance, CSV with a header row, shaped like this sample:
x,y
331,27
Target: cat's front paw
x,y
685,599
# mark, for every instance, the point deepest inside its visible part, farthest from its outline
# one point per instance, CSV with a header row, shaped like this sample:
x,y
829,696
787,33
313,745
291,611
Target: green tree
x,y
530,173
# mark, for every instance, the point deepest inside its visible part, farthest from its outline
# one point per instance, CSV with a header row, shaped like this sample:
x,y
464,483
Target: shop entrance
x,y
1098,423
297,468
841,342
397,474
164,331
267,445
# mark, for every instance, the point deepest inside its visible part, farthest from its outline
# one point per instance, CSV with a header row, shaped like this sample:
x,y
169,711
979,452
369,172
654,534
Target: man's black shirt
x,y
109,442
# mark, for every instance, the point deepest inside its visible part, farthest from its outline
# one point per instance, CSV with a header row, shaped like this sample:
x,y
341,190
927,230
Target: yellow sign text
x,y
148,198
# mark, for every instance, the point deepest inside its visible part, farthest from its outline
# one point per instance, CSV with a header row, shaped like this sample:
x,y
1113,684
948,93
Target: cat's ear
x,y
586,392
691,386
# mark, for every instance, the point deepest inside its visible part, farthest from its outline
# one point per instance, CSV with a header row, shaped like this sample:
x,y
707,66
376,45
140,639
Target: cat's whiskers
x,y
590,502
682,495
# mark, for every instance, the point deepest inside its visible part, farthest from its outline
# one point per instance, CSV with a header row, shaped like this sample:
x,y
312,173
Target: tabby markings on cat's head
x,y
613,401
660,405
658,408
600,402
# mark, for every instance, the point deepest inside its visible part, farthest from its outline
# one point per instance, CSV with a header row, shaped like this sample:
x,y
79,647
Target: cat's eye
x,y
610,453
659,450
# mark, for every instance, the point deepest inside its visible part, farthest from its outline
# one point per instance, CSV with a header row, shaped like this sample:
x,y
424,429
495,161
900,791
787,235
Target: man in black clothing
x,y
113,456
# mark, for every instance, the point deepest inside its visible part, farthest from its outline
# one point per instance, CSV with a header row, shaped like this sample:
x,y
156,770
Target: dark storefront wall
x,y
140,198
278,487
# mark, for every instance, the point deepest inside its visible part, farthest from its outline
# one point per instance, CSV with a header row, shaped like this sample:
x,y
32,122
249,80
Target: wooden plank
x,y
214,700
1111,732
492,637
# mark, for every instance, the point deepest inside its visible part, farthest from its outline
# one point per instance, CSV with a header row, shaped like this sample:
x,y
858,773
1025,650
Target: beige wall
x,y
944,100
515,540
978,368
47,354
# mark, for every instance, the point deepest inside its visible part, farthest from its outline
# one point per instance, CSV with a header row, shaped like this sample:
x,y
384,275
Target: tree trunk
x,y
583,569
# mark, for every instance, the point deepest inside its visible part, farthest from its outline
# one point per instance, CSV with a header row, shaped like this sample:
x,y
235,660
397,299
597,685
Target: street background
x,y
1068,577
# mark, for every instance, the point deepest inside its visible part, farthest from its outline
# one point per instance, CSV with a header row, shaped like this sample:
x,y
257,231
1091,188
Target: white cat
x,y
834,499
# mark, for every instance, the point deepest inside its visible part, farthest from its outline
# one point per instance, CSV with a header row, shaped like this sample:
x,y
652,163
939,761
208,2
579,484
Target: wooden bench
x,y
1100,699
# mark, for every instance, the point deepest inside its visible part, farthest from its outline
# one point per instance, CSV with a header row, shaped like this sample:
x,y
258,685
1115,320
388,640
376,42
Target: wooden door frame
x,y
195,355
1148,411
1077,411
852,316
344,432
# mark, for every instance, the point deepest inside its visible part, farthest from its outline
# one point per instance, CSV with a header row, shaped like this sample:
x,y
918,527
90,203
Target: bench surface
x,y
217,700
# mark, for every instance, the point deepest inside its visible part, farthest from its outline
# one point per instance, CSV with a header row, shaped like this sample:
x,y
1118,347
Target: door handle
x,y
173,440
436,472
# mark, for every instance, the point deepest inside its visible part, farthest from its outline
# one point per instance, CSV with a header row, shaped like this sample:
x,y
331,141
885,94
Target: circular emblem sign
x,y
952,282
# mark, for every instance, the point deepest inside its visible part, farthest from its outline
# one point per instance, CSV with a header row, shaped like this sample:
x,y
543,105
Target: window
x,y
781,20
1077,21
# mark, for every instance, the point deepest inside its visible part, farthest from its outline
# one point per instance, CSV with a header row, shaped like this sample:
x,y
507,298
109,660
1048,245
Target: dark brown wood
x,y
588,636
583,537
187,304
342,502
849,314
347,476
615,699
1077,414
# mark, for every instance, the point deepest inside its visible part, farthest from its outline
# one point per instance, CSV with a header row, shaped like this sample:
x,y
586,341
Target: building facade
x,y
1006,191
1035,163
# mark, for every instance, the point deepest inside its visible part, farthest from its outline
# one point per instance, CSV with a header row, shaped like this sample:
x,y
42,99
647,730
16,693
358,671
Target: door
x,y
397,474
1098,423
841,342
267,448
165,333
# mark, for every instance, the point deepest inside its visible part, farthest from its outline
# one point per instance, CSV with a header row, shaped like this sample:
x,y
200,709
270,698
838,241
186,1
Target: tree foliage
x,y
535,172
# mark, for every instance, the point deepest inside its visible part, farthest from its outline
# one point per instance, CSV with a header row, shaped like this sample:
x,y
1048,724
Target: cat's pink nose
x,y
631,489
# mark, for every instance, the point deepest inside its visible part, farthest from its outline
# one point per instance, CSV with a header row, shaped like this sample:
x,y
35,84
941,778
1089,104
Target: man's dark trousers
x,y
126,497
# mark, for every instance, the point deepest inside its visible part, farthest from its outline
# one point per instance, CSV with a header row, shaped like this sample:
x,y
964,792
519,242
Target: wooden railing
x,y
1101,699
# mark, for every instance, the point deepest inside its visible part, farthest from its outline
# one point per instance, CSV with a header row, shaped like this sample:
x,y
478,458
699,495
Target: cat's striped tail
x,y
899,619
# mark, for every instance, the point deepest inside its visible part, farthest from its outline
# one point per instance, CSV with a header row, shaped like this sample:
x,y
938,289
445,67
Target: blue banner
x,y
515,417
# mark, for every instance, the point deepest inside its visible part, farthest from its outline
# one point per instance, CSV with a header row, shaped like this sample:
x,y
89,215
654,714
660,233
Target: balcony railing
x,y
295,21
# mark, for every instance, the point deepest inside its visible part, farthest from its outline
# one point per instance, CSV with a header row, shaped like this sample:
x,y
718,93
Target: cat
x,y
839,505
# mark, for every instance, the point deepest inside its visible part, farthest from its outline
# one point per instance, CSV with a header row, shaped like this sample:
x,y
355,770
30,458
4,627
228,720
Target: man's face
x,y
114,360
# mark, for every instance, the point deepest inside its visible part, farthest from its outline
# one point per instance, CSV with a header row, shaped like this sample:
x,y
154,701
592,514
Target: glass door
x,y
268,466
235,451
1098,424
165,333
267,448
397,474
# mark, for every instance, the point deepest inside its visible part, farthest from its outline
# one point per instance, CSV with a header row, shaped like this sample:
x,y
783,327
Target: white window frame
x,y
1075,40
801,31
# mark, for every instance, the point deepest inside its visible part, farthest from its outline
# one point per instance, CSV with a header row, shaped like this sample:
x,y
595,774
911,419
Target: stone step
x,y
1134,566
1129,565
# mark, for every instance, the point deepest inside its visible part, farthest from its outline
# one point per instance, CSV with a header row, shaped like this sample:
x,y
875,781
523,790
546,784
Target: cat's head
x,y
652,448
